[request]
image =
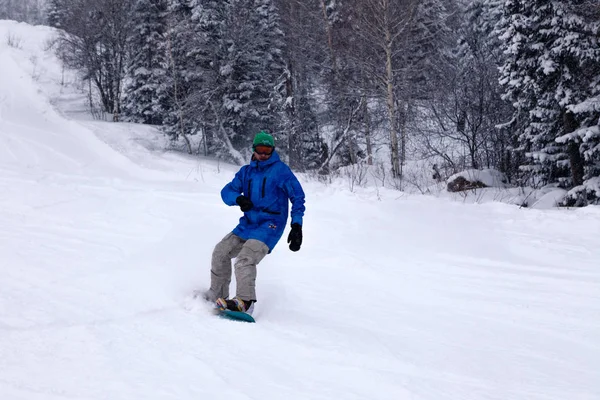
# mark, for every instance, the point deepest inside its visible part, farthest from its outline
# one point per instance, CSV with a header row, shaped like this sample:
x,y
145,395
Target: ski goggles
x,y
263,150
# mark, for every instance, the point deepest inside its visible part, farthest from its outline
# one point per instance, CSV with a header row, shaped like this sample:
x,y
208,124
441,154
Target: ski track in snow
x,y
104,236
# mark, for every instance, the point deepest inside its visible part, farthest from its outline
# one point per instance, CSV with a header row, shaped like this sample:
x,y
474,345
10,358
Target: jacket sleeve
x,y
294,191
233,189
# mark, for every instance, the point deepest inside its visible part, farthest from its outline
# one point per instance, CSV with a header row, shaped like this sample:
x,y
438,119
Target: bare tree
x,y
382,27
94,41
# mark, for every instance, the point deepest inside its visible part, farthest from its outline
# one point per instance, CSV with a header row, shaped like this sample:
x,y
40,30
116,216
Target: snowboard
x,y
226,314
234,315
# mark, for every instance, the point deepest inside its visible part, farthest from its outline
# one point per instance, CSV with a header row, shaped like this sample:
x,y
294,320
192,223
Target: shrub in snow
x,y
474,179
583,195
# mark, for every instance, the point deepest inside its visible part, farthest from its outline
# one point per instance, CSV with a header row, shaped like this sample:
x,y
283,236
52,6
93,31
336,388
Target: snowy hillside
x,y
103,236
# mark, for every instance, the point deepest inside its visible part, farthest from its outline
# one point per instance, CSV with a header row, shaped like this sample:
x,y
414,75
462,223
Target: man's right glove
x,y
244,203
295,237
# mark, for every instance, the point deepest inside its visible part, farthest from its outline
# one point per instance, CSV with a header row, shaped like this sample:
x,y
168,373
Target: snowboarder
x,y
262,190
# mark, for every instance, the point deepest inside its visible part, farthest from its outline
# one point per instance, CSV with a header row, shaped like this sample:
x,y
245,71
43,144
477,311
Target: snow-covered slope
x,y
103,236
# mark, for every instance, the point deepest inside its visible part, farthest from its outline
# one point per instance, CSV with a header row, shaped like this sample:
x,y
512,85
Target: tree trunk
x,y
575,158
366,117
403,120
294,150
329,37
391,106
180,112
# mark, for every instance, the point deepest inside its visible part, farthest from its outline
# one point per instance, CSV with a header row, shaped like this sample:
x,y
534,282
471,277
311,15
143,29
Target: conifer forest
x,y
510,85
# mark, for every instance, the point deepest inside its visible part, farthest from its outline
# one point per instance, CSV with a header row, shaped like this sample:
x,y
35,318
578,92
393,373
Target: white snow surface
x,y
104,235
550,199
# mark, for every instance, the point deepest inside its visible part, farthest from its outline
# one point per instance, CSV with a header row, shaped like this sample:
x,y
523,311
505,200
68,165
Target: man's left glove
x,y
295,237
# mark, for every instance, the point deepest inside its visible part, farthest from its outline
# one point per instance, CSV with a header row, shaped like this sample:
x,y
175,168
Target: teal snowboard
x,y
226,314
234,315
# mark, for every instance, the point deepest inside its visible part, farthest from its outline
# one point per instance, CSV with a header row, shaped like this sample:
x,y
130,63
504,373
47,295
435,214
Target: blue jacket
x,y
269,184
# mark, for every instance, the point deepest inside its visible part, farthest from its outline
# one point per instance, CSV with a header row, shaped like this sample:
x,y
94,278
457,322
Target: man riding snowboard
x,y
262,190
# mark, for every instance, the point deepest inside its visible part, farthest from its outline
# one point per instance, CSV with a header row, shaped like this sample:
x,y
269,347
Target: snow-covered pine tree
x,y
587,112
424,55
204,59
145,91
225,64
178,121
299,125
57,12
271,66
270,61
588,135
544,74
250,69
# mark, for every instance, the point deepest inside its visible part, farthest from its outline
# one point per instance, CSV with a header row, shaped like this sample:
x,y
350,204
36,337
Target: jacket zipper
x,y
249,188
263,186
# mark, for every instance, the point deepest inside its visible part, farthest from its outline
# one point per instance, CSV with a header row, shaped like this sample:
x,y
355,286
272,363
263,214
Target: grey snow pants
x,y
248,254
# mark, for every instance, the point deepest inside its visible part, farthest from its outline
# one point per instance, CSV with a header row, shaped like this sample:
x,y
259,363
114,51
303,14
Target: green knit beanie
x,y
262,138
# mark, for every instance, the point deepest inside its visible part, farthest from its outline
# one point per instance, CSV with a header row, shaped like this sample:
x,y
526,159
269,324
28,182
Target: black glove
x,y
295,237
244,203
